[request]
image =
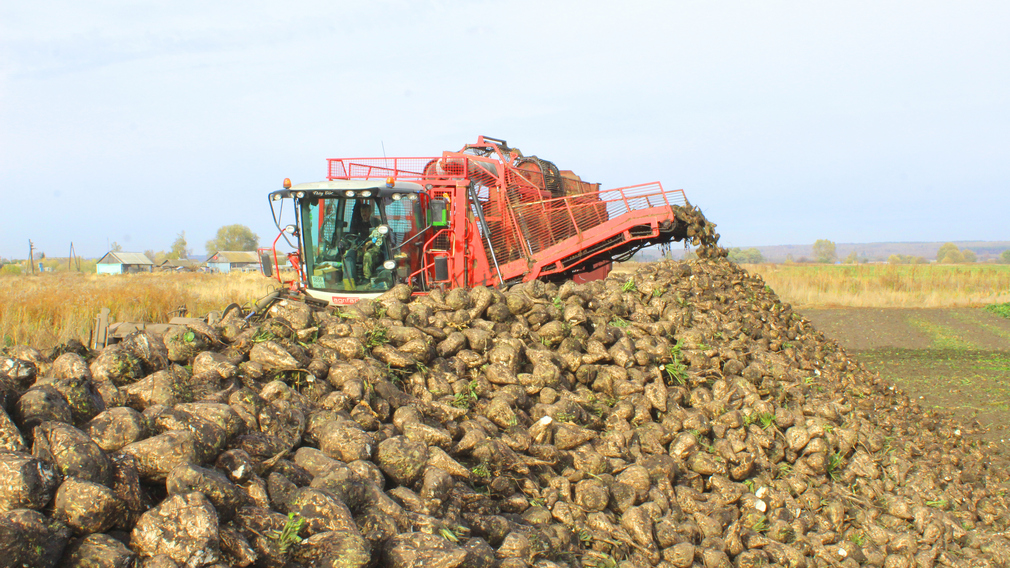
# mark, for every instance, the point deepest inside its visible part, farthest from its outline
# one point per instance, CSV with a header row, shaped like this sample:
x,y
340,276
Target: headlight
x,y
349,193
276,197
383,229
397,196
389,264
365,193
412,197
300,194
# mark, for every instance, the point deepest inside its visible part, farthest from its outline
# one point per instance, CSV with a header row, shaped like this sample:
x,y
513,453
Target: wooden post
x,y
100,333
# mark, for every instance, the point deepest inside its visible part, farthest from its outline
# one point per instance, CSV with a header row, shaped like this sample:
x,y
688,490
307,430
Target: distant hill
x,y
986,250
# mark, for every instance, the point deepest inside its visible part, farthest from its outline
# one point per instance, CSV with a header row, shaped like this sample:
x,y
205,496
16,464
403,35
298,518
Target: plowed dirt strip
x,y
971,384
951,359
912,328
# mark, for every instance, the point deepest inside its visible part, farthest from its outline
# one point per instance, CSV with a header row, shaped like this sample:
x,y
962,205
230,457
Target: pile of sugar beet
x,y
680,416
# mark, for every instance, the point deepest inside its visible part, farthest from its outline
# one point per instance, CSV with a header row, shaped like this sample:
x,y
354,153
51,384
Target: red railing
x,y
407,169
547,222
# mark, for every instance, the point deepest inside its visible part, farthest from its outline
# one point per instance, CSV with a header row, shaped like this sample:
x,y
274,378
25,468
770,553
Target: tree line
x,y
826,252
949,253
228,237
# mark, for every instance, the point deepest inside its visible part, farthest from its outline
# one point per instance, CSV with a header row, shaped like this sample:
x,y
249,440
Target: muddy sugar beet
x,y
681,416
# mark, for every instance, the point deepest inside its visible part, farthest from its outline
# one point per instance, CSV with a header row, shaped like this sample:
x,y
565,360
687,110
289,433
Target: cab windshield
x,y
359,244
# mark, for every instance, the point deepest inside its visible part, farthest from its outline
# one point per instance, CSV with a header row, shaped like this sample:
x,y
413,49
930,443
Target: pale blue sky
x,y
785,121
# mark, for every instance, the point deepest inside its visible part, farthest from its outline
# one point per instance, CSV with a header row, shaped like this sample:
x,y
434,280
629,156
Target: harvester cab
x,y
355,238
485,215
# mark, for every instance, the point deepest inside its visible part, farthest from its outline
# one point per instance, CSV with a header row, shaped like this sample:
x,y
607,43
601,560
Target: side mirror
x,y
291,229
438,214
267,262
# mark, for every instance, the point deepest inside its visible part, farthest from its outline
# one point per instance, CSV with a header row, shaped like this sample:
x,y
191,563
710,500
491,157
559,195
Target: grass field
x,y
45,310
887,286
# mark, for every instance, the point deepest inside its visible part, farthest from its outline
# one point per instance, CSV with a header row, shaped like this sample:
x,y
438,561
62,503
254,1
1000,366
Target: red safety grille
x,y
547,222
407,169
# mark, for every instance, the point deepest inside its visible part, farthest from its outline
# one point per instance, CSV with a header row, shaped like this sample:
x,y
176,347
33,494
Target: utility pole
x,y
31,255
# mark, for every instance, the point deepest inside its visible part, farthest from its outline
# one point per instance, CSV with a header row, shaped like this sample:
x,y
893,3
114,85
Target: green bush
x,y
746,256
999,309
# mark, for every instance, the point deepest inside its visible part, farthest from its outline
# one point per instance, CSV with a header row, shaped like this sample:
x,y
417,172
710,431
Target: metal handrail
x,y
425,250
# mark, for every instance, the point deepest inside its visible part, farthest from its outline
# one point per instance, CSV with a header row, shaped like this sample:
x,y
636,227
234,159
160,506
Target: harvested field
x,y
874,328
948,359
680,416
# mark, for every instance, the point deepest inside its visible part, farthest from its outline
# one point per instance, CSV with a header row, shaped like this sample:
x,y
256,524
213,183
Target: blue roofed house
x,y
118,262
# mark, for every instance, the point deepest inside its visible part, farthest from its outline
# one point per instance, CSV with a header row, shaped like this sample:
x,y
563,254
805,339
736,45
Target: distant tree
x,y
969,255
905,259
115,247
824,251
902,259
1004,257
156,257
233,237
748,256
179,249
853,258
945,249
953,257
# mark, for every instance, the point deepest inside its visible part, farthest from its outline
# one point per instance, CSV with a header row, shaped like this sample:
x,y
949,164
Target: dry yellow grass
x,y
887,286
881,285
48,309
